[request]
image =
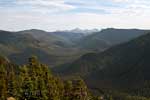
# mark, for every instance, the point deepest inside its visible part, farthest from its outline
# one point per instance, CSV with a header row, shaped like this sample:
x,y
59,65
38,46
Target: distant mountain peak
x,y
87,31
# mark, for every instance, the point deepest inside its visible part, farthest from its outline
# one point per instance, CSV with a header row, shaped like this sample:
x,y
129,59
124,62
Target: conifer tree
x,y
80,90
12,82
68,90
34,81
3,87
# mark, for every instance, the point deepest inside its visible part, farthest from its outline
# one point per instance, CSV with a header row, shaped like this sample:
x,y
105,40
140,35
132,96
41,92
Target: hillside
x,y
50,49
109,37
15,42
122,66
72,37
48,37
34,81
126,65
58,47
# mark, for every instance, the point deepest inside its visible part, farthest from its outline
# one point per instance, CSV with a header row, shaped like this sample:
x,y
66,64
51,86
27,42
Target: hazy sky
x,y
68,14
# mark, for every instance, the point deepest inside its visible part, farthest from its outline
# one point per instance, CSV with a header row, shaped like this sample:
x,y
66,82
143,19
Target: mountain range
x,y
51,49
124,66
59,47
106,38
110,59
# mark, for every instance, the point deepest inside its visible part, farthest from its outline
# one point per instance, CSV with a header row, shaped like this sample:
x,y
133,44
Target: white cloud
x,y
41,6
47,3
69,21
131,7
52,14
119,1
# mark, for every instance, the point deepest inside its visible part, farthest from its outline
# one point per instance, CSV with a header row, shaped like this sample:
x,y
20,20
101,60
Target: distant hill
x,y
109,37
59,47
123,66
51,49
15,42
47,37
72,37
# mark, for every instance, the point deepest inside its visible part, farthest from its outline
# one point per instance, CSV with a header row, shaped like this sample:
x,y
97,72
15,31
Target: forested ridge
x,y
124,68
119,73
34,81
60,47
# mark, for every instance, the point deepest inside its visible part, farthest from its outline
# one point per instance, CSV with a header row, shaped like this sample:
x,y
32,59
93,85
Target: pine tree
x,y
79,90
34,81
26,84
12,83
68,90
60,87
3,86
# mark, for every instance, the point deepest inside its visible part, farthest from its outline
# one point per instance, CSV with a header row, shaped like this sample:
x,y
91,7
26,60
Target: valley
x,y
112,61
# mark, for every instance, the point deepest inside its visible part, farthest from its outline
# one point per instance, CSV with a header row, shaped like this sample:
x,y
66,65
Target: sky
x,y
54,15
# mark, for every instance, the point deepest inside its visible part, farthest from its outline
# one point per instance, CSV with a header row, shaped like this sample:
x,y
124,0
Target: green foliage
x,y
3,88
34,81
